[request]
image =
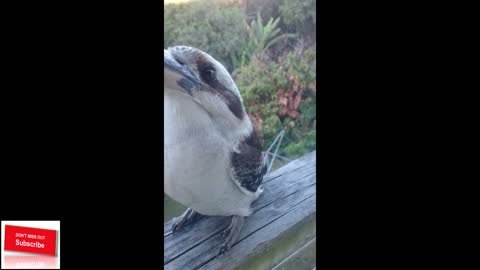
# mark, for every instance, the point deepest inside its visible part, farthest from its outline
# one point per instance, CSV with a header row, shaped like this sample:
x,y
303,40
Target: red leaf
x,y
290,93
293,114
297,100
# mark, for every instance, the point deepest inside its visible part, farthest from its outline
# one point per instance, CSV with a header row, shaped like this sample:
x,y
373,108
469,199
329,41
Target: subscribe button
x,y
32,240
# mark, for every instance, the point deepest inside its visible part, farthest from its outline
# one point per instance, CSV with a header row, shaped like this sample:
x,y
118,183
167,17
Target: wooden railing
x,y
287,204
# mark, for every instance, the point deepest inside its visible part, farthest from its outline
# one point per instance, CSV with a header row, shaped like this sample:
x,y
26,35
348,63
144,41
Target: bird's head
x,y
193,74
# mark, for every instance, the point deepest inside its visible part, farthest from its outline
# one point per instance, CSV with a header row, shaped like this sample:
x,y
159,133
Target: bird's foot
x,y
227,230
231,234
186,218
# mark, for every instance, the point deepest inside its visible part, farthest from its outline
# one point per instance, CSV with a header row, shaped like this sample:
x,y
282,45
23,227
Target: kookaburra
x,y
213,159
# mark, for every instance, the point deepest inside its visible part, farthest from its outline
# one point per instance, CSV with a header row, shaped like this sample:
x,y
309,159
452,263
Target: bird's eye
x,y
208,75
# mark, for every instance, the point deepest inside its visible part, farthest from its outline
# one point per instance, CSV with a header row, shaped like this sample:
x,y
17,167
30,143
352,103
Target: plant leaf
x,y
277,39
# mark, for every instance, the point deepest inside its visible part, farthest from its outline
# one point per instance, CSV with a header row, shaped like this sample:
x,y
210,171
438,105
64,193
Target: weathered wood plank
x,y
289,197
302,258
283,247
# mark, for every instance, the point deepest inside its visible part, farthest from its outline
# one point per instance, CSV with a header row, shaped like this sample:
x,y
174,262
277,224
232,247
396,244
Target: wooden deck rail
x,y
287,201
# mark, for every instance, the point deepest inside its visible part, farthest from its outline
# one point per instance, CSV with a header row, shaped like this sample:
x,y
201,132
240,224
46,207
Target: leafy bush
x,y
214,28
261,37
283,93
299,16
277,80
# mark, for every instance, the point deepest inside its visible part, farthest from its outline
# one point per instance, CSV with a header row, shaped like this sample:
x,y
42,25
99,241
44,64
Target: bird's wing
x,y
249,164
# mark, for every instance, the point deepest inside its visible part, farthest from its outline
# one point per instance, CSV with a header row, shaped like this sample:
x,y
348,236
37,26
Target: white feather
x,y
197,159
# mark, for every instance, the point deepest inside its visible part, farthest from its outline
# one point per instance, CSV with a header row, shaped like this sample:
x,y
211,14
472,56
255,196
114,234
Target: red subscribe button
x,y
33,240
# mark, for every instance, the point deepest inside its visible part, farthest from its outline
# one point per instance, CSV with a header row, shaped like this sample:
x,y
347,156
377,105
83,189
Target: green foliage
x,y
299,16
300,148
277,80
283,94
262,37
268,8
214,28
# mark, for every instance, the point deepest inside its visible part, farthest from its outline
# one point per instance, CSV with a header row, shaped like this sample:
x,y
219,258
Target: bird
x,y
213,159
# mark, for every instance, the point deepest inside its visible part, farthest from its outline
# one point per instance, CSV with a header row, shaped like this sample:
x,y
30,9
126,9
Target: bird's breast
x,y
197,162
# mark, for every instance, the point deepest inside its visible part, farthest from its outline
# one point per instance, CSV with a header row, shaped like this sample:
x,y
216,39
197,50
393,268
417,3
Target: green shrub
x,y
300,148
299,16
283,93
262,37
277,80
217,29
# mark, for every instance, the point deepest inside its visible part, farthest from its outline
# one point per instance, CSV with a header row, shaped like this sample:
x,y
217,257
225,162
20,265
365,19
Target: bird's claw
x,y
225,233
176,226
225,247
183,220
231,234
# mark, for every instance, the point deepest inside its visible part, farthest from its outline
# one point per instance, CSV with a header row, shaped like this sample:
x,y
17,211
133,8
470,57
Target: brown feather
x,y
249,164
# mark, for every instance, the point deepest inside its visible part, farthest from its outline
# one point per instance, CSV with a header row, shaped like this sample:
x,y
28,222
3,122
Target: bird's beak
x,y
177,76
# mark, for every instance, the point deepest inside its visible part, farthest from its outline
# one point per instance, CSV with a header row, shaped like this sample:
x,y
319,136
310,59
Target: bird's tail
x,y
268,153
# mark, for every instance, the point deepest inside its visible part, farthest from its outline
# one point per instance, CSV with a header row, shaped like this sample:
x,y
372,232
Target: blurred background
x,y
269,47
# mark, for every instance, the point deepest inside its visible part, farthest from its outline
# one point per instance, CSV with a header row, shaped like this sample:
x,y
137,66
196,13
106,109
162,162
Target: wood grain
x,y
289,197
